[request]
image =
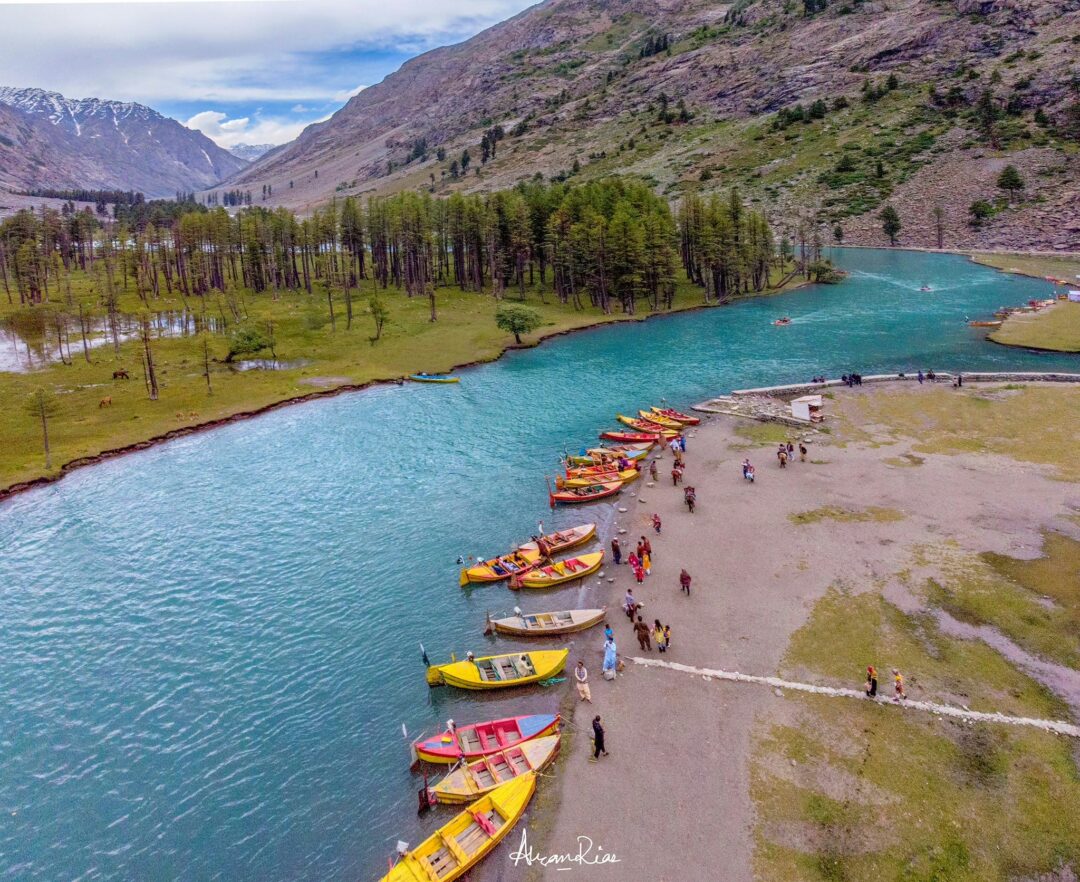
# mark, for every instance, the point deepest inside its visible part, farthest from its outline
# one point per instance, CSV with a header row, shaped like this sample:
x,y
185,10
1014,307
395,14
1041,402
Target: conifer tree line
x,y
612,244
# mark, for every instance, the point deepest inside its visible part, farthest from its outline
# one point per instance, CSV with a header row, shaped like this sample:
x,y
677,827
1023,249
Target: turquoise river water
x,y
208,649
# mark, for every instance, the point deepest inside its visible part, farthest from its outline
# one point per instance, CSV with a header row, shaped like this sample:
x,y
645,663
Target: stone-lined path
x,y
1058,727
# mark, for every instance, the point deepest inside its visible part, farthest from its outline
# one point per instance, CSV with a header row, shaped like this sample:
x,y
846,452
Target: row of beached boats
x,y
1004,312
494,764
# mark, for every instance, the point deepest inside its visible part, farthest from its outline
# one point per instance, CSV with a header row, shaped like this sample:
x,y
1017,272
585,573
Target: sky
x,y
241,71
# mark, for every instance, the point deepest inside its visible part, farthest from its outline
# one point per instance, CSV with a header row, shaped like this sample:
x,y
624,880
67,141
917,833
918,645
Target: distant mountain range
x,y
688,95
251,152
49,141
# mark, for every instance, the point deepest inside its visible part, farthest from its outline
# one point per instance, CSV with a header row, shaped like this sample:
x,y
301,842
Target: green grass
x,y
465,332
873,513
1057,329
757,433
859,792
1056,574
1037,265
1035,424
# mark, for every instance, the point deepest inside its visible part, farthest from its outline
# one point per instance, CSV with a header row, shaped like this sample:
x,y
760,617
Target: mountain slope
x,y
598,83
251,152
90,143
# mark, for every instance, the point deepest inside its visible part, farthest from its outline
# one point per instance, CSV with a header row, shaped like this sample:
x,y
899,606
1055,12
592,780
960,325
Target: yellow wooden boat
x,y
560,572
458,846
576,479
472,780
499,671
543,624
561,540
498,568
660,419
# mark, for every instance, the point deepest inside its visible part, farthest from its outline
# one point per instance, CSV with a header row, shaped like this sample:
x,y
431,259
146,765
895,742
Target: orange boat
x,y
631,437
641,425
571,495
678,416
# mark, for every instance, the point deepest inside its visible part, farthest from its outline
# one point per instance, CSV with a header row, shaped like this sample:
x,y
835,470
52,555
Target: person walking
x,y
642,632
871,682
659,637
653,473
616,551
640,551
646,546
630,605
676,475
682,443
646,563
802,452
898,686
581,675
684,582
639,573
667,637
920,377
790,452
599,748
611,655
656,523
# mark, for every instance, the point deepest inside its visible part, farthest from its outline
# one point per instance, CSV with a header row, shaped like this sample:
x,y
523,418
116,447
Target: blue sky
x,y
242,71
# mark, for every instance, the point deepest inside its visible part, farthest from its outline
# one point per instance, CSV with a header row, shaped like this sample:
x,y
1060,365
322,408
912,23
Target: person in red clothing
x,y
646,547
684,581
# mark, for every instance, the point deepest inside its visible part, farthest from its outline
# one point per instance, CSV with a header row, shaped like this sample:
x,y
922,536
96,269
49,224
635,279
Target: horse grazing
x,y
121,374
105,402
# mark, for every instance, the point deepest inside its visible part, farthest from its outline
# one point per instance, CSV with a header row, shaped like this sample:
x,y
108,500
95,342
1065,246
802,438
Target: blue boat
x,y
433,378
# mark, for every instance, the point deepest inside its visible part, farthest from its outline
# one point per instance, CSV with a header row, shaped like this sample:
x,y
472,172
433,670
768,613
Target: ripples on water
x,y
209,648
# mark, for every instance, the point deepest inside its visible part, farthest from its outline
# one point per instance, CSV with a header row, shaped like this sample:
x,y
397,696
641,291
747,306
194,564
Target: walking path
x,y
1056,726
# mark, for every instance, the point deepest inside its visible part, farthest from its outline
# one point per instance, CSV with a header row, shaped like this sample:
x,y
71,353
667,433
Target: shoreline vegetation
x,y
173,320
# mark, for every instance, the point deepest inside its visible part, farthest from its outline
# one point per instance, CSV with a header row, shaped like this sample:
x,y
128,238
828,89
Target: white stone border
x,y
1057,727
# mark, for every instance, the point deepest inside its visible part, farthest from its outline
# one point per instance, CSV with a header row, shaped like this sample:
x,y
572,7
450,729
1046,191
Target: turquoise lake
x,y
209,648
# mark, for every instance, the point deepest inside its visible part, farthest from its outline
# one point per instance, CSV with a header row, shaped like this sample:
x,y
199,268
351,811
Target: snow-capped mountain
x,y
58,142
251,152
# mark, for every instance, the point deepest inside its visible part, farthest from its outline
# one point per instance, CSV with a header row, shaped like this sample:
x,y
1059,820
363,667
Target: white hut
x,y
807,408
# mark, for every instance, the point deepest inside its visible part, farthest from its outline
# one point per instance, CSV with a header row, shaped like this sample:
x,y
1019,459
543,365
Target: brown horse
x,y
105,402
120,374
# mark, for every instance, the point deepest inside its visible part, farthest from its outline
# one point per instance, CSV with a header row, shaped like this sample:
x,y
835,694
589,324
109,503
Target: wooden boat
x,y
472,780
599,455
632,437
571,495
561,540
460,844
573,479
560,572
677,415
499,671
641,425
542,624
481,739
498,568
434,378
995,324
660,419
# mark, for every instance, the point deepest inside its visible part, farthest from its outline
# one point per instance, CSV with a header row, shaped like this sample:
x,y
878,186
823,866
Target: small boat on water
x,y
781,322
481,739
572,495
561,540
459,845
660,420
676,415
566,621
649,438
498,568
560,572
472,780
499,671
434,378
994,324
641,425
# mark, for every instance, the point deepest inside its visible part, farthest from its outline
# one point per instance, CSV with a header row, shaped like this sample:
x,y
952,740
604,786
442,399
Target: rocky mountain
x,y
47,140
251,152
821,109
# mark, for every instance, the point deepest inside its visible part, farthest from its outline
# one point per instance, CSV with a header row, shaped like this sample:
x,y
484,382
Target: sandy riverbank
x,y
676,791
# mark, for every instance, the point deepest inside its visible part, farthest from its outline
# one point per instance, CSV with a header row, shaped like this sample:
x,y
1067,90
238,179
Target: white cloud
x,y
288,51
244,130
345,94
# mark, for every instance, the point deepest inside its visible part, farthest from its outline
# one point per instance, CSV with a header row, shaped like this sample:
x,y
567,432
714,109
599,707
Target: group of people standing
x,y
871,685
